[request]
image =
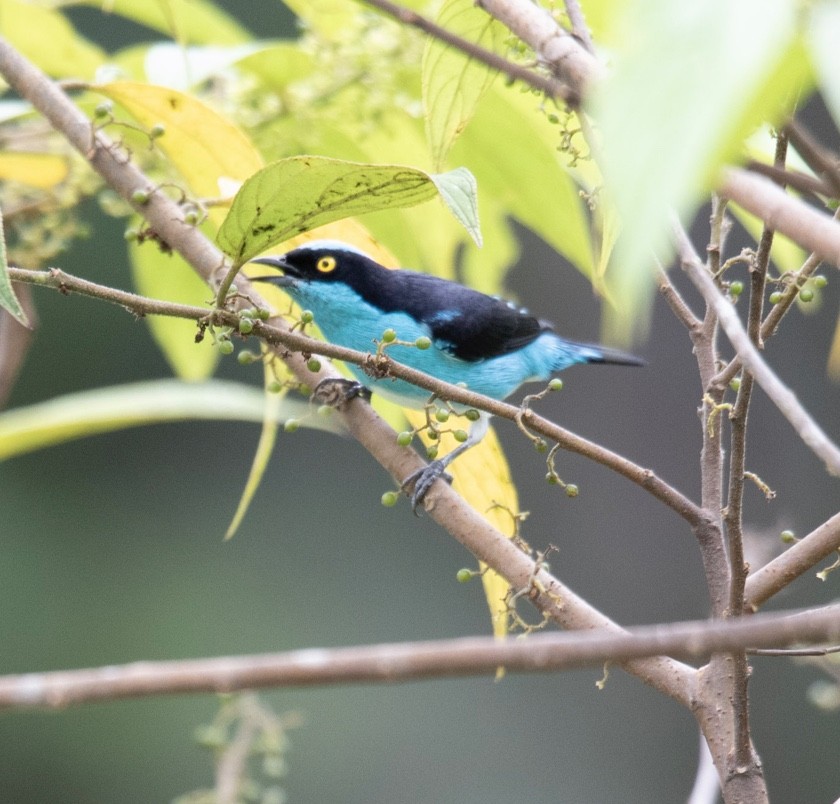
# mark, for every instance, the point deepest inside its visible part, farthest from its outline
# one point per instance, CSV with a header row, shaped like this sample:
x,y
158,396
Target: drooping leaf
x,y
265,446
204,146
186,21
8,300
299,193
35,169
459,191
104,410
453,83
666,132
159,275
45,36
482,477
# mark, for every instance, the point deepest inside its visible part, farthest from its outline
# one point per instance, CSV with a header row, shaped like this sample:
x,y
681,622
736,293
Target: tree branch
x,y
781,396
401,662
797,559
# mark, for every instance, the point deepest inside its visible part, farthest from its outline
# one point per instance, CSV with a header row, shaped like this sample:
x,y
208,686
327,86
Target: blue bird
x,y
482,341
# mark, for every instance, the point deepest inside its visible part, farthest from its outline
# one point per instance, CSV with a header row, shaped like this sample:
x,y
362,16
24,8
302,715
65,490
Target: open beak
x,y
281,280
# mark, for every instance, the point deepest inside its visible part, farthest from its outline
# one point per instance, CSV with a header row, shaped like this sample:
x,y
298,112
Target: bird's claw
x,y
337,391
423,479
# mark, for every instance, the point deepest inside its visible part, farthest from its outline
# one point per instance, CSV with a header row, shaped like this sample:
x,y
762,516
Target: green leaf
x,y
192,21
667,130
167,276
8,300
452,82
104,410
46,37
297,194
459,191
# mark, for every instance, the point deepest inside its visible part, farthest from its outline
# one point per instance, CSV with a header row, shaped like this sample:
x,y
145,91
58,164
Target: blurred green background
x,y
112,551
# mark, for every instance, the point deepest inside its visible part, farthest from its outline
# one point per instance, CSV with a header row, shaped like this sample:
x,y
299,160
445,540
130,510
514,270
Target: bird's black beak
x,y
281,280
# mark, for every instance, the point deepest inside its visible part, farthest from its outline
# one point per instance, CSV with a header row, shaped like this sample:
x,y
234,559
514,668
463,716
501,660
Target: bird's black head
x,y
318,261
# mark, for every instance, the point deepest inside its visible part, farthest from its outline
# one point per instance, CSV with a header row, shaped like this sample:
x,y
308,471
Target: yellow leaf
x,y
204,146
482,477
36,170
168,276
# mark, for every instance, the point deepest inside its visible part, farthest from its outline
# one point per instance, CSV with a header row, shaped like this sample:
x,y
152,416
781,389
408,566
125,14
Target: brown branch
x,y
803,224
822,161
802,182
516,72
401,662
796,560
579,27
781,396
275,335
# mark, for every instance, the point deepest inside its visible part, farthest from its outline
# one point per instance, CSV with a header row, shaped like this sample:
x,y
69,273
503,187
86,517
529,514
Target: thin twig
x,y
781,396
579,27
400,662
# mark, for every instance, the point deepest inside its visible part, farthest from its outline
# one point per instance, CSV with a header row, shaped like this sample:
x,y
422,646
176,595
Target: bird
x,y
483,342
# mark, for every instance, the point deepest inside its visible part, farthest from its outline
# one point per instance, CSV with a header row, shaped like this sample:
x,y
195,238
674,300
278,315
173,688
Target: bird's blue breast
x,y
346,319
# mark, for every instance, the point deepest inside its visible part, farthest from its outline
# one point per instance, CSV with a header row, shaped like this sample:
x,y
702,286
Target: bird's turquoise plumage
x,y
356,301
481,341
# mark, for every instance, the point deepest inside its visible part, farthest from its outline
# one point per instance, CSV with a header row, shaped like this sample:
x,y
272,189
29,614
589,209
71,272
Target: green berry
x,y
131,235
431,452
226,347
103,109
405,438
820,281
140,197
472,415
389,499
775,297
157,130
325,411
540,445
389,336
433,434
291,425
572,490
313,364
464,575
423,342
735,384
263,314
245,357
460,435
552,478
442,415
191,217
787,536
306,317
806,295
248,312
736,288
555,385
274,387
246,326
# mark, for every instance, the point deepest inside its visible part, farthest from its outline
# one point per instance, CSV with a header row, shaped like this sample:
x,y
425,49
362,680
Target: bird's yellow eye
x,y
326,264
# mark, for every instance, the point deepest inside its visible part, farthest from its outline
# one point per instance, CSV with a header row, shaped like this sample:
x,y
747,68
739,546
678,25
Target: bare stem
x,y
409,661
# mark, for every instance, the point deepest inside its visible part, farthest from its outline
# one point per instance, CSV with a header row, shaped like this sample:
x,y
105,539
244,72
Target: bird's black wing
x,y
468,324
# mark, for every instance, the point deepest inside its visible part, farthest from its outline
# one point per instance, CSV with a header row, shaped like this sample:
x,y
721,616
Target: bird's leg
x,y
423,479
337,391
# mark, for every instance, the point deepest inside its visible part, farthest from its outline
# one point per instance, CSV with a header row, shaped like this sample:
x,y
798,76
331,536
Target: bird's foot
x,y
423,479
337,392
